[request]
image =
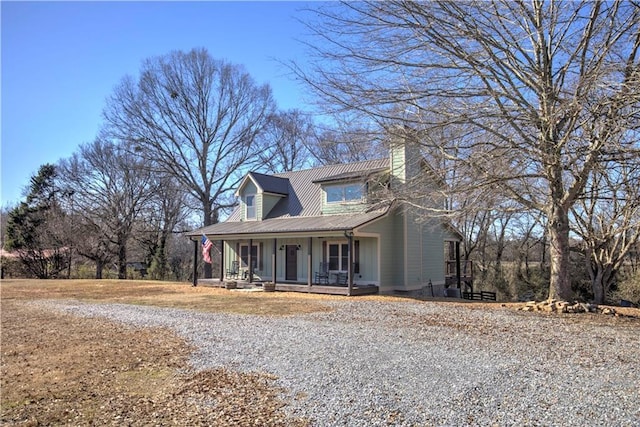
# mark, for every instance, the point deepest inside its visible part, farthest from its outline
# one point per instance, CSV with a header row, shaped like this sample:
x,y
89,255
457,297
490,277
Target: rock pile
x,y
556,306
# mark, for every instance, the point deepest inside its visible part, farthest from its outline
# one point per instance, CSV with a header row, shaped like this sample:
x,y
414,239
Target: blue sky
x,y
61,60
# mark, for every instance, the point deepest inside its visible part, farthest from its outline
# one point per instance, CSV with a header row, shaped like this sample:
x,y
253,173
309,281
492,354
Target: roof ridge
x,y
279,174
265,174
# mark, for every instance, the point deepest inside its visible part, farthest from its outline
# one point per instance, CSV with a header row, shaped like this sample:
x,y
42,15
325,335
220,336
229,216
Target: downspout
x,y
195,263
309,258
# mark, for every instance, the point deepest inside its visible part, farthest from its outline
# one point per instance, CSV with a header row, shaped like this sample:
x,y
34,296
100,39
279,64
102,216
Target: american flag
x,y
206,249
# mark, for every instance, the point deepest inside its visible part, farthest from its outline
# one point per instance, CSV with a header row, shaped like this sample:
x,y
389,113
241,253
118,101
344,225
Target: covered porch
x,y
292,287
338,262
338,255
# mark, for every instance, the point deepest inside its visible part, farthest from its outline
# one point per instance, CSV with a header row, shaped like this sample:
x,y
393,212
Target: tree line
x,y
175,143
530,109
527,112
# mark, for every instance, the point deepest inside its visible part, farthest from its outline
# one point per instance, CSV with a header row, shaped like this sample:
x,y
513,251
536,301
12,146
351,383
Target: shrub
x,y
628,289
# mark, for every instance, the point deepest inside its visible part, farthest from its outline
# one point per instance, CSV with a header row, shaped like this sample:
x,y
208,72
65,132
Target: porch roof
x,y
304,224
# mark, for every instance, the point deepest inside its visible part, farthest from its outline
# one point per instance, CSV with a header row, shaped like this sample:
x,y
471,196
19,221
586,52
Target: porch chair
x,y
234,270
342,279
322,276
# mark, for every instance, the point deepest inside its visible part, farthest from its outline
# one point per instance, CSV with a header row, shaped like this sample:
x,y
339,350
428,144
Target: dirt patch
x,y
62,370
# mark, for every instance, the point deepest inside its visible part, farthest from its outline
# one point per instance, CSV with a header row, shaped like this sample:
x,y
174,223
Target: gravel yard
x,y
369,363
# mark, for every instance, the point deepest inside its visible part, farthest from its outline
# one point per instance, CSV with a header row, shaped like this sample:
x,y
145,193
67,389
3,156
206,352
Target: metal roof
x,y
300,208
304,194
352,175
326,223
271,183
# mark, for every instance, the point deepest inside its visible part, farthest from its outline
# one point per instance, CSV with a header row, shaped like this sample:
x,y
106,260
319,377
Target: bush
x,y
11,268
628,289
531,283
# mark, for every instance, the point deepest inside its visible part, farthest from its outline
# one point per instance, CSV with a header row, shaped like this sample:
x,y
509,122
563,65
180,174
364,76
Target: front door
x,y
291,261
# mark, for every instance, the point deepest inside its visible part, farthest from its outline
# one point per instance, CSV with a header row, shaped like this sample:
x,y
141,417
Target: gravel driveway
x,y
369,363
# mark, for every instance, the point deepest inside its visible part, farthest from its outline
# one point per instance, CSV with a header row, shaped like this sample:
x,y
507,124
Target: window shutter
x,y
261,257
356,257
324,251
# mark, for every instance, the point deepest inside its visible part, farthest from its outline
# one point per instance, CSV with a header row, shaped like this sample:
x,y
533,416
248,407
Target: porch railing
x,y
466,269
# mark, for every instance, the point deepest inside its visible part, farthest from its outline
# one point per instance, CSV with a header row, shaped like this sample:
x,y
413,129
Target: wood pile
x,y
558,306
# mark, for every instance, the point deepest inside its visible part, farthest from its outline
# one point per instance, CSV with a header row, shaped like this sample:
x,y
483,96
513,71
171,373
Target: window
x,y
244,256
338,256
344,193
251,206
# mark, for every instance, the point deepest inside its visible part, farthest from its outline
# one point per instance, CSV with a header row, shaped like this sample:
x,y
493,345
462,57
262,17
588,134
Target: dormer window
x,y
250,202
344,193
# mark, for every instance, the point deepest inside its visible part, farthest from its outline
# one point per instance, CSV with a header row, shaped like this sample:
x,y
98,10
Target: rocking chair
x,y
232,273
322,276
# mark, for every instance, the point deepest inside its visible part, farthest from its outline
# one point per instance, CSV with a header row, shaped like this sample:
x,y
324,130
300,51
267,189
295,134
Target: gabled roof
x,y
267,183
304,193
300,208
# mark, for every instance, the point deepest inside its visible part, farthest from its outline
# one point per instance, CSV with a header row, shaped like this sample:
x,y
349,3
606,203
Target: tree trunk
x,y
122,261
559,282
161,258
601,281
99,268
598,287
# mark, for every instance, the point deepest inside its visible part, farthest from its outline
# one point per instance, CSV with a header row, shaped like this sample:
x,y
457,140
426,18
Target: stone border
x,y
558,306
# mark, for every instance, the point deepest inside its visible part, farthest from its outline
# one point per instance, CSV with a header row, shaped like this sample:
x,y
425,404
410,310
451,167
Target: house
x,y
334,229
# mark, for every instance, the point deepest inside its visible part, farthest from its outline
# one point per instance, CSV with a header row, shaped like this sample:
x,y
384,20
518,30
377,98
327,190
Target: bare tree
x,y
530,246
92,243
285,138
345,143
158,221
197,119
521,81
108,187
608,222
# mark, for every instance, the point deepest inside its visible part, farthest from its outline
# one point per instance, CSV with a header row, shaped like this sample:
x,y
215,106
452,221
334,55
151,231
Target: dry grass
x,y
165,294
62,370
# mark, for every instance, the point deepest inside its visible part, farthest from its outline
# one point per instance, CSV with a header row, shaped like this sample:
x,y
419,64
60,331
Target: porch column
x,y
350,266
221,260
273,260
250,260
458,278
309,259
195,263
